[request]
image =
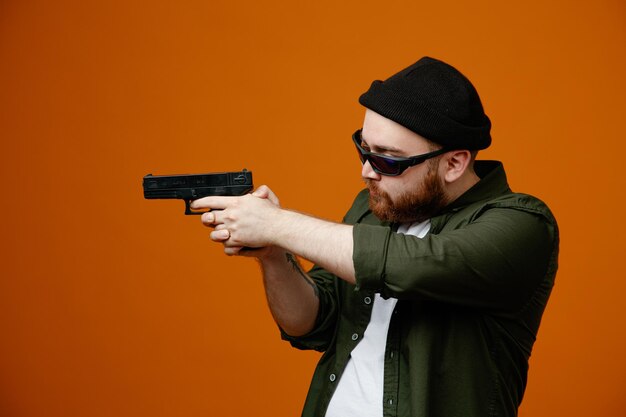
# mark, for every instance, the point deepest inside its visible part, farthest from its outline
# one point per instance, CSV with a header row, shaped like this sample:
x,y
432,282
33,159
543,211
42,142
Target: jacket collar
x,y
492,183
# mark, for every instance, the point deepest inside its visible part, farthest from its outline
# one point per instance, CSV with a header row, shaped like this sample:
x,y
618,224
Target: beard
x,y
414,205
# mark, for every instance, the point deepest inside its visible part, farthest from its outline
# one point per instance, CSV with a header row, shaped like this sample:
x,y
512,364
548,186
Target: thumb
x,y
264,192
261,192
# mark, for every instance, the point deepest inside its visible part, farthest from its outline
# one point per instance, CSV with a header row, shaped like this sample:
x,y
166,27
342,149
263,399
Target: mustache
x,y
371,185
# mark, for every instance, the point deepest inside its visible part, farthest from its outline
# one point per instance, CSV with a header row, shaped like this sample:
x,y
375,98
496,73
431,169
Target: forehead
x,y
380,133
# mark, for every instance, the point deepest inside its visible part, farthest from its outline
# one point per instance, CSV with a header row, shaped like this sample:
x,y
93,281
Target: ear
x,y
455,164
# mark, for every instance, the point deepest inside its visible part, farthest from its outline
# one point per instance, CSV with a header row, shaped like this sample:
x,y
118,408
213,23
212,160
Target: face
x,y
419,192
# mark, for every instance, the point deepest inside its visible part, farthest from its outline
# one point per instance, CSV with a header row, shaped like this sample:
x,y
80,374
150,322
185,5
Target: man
x,y
427,298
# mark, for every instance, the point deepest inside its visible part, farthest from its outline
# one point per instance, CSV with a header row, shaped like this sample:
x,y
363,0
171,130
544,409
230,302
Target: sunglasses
x,y
390,165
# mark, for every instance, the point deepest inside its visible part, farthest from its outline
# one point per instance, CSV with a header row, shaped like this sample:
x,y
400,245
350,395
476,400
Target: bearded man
x,y
427,298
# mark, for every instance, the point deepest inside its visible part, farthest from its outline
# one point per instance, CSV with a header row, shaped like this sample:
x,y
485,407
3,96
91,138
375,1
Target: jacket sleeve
x,y
495,261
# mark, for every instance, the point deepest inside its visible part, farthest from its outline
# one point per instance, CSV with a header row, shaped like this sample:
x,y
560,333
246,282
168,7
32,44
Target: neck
x,y
461,185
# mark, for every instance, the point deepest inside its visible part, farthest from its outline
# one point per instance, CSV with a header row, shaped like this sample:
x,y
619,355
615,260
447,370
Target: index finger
x,y
212,202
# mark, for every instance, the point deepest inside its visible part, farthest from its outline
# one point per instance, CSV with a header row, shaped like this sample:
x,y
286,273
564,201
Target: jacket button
x,y
355,336
332,377
367,300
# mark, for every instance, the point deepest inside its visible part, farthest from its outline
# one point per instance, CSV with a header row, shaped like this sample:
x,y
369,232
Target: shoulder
x,y
521,202
518,210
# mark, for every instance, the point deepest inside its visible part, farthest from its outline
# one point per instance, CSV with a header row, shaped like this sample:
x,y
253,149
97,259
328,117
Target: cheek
x,y
405,182
392,189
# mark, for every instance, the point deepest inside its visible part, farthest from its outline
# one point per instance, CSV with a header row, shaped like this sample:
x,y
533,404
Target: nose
x,y
368,172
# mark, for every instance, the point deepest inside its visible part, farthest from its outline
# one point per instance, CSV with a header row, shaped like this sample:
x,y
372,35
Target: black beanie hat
x,y
434,100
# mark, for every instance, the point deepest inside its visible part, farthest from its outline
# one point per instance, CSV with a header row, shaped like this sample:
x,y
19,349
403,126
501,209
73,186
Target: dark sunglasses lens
x,y
384,165
361,156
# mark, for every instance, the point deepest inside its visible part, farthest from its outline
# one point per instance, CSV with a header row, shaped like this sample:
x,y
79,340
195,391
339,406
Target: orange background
x,y
112,305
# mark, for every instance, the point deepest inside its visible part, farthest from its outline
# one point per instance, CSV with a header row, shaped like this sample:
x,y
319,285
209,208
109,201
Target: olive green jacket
x,y
471,296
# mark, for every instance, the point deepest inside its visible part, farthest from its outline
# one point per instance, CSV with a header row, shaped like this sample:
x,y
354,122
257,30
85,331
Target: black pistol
x,y
194,186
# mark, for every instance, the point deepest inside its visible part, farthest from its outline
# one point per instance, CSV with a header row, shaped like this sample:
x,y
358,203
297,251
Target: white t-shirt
x,y
359,392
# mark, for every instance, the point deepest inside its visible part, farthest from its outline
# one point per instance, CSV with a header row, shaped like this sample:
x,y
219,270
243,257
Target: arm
x,y
324,243
253,222
497,261
292,296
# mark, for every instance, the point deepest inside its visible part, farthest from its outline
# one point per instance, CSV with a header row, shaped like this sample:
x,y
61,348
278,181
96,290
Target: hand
x,y
242,224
